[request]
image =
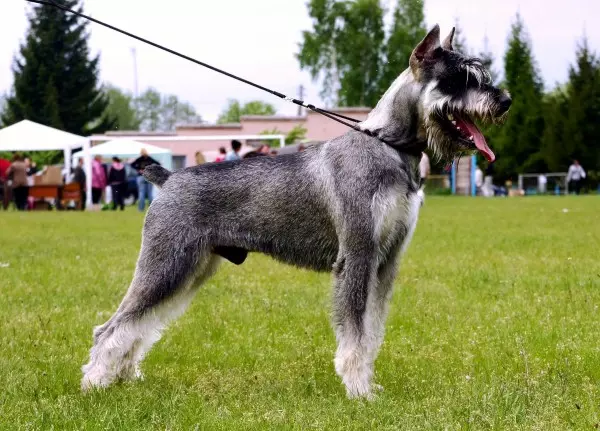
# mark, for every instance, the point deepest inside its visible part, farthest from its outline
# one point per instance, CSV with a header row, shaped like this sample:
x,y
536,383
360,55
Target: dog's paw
x,y
95,377
88,384
377,388
358,389
367,395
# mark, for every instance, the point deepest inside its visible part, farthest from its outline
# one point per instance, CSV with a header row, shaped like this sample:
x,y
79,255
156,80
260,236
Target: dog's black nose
x,y
504,102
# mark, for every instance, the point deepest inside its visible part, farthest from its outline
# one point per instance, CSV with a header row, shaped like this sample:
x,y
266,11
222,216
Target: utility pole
x,y
301,97
135,73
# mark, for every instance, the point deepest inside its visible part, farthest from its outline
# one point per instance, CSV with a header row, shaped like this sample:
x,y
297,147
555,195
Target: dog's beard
x,y
450,124
444,148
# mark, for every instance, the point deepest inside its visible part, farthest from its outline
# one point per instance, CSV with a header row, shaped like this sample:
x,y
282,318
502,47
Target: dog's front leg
x,y
355,276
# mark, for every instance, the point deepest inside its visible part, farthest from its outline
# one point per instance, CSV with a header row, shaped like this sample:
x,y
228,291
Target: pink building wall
x,y
319,128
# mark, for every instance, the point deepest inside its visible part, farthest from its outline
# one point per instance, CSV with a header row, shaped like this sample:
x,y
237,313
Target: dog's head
x,y
455,91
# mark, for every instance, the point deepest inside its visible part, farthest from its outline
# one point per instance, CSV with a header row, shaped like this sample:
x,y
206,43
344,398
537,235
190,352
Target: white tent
x,y
29,136
26,136
126,149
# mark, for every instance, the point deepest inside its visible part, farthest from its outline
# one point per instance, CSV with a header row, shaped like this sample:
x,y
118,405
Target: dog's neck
x,y
395,119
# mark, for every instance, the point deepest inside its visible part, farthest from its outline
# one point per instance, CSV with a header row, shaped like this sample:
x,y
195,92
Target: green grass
x,y
494,325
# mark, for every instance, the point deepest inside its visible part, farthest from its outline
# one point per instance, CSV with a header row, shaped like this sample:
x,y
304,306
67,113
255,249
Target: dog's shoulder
x,y
356,157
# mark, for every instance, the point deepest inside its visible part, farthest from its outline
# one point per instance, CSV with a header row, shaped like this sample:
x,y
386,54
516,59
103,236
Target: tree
x,y
297,133
55,80
345,50
235,110
519,139
163,112
121,106
2,108
581,128
487,58
408,29
554,150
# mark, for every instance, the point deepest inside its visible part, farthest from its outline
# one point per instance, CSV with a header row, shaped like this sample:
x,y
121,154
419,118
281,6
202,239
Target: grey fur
x,y
348,206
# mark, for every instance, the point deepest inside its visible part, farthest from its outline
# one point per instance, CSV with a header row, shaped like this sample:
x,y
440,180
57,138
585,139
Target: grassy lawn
x,y
495,324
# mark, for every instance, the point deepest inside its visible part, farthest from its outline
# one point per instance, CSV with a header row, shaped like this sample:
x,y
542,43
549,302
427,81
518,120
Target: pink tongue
x,y
480,143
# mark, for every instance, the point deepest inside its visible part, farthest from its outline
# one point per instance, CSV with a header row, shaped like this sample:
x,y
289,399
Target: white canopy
x,y
127,148
26,136
29,136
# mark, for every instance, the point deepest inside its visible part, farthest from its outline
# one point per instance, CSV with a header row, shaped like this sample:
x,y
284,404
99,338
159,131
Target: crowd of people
x,y
110,182
114,177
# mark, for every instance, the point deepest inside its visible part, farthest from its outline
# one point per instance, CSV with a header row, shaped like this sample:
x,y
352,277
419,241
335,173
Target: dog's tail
x,y
156,174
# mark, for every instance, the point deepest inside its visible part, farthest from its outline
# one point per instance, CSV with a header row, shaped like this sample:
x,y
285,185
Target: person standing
x,y
478,181
144,187
488,181
117,179
17,172
199,158
424,168
234,154
222,155
98,180
575,176
79,177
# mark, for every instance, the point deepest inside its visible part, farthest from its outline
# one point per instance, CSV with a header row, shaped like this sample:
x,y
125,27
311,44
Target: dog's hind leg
x,y
168,271
355,276
169,310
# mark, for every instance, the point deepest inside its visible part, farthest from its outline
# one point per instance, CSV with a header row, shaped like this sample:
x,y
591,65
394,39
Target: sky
x,y
258,40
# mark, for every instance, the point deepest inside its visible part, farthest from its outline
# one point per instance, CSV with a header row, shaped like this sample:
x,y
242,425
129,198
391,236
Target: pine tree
x,y
408,29
487,58
55,81
554,149
581,133
519,140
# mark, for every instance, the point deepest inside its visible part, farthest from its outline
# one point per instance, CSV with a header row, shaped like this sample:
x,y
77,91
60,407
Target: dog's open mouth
x,y
469,134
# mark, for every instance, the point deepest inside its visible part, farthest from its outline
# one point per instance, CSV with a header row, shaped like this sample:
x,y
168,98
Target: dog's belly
x,y
307,240
314,249
319,259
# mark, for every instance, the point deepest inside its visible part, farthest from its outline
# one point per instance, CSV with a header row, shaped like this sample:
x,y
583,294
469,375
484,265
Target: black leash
x,y
324,112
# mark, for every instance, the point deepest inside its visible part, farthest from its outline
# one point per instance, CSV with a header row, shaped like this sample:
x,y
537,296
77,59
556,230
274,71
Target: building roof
x,y
209,126
272,118
351,109
137,133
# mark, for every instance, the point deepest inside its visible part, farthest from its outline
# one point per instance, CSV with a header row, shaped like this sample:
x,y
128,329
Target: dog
x,y
348,206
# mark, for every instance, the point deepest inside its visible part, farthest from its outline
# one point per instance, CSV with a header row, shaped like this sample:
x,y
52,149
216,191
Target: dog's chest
x,y
396,217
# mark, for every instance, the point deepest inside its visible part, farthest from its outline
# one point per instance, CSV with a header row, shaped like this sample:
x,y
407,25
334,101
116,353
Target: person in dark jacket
x,y
117,179
144,187
80,178
17,172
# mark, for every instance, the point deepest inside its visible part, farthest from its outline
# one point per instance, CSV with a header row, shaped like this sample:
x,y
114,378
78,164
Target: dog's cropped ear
x,y
426,46
447,43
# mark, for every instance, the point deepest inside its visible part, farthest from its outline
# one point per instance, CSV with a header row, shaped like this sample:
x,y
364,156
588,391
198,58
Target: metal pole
x,y
135,73
473,185
453,177
301,97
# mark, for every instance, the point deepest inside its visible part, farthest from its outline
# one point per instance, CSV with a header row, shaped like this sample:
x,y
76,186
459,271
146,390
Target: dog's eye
x,y
454,83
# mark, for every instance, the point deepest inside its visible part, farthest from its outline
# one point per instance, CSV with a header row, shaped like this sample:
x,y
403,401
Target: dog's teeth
x,y
454,122
470,138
